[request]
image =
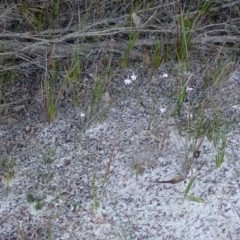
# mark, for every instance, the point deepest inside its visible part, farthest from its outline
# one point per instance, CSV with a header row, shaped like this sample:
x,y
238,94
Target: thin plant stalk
x,y
95,193
221,154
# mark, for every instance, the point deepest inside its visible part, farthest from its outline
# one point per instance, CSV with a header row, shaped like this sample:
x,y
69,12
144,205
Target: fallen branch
x,y
64,50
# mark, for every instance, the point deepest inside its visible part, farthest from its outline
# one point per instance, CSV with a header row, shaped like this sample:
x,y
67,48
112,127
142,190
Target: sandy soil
x,y
128,164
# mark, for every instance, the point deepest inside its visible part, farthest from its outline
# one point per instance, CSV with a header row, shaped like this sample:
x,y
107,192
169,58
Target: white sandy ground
x,y
130,206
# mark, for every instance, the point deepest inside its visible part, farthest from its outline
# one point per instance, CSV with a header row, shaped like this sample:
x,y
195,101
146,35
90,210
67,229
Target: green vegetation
x,y
39,204
6,166
46,177
55,52
95,204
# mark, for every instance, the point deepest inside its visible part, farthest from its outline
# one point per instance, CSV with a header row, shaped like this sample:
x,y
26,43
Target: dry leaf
x,y
174,180
101,220
18,108
106,99
136,20
146,58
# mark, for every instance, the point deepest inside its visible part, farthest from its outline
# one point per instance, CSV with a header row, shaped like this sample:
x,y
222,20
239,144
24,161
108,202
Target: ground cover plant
x,y
175,59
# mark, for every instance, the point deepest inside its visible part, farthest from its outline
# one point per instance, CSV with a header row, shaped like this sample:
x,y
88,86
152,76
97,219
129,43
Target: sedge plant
x,y
7,166
95,203
221,153
133,36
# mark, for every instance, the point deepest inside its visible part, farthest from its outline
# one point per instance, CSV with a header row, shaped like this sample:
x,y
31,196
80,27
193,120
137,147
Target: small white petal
x,y
163,110
189,89
165,75
128,81
82,114
134,77
189,116
187,73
